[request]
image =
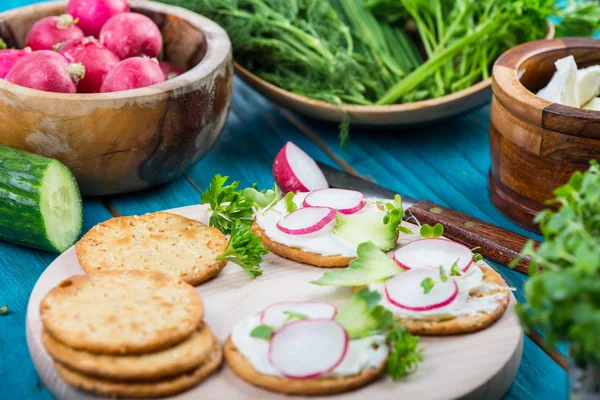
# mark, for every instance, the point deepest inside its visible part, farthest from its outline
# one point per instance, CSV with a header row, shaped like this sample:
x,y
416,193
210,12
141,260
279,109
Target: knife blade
x,y
495,243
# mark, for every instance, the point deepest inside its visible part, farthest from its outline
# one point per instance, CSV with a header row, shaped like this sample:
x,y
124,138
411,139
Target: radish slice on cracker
x,y
404,290
345,201
306,220
279,313
308,349
295,171
425,253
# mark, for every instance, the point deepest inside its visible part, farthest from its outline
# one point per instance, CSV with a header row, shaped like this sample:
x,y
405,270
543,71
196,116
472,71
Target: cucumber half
x,y
40,203
61,207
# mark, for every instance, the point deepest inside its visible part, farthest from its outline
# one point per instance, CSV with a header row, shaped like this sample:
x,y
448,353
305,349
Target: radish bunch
x,y
98,46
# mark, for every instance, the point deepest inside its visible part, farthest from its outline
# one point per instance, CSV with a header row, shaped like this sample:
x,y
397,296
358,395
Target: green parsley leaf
x,y
244,249
228,205
290,206
427,284
455,271
262,332
404,355
429,232
443,276
3,310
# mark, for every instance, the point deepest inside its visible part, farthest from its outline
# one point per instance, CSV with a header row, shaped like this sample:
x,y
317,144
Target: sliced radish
x,y
276,314
306,220
345,201
308,348
424,253
295,171
404,290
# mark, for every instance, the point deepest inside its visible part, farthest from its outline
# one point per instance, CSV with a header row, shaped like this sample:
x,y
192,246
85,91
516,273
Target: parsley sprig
x,y
244,249
227,204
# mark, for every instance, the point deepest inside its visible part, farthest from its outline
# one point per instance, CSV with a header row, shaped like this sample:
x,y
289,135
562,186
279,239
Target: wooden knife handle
x,y
496,244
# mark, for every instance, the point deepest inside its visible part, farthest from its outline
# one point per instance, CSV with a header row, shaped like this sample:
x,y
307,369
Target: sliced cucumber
x,y
367,227
40,203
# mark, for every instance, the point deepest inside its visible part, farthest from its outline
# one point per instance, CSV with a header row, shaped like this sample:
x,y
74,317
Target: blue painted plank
x,y
20,268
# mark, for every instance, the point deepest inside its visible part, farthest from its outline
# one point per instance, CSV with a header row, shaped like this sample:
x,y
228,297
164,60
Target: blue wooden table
x,y
446,162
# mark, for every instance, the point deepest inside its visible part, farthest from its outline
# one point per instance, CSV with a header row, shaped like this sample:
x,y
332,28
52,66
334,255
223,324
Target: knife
x,y
496,244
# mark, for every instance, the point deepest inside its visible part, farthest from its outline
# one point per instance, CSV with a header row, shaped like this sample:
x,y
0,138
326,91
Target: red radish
x,y
424,253
97,60
92,14
294,171
133,73
171,71
404,290
306,220
275,315
345,201
9,57
308,348
49,31
132,35
48,71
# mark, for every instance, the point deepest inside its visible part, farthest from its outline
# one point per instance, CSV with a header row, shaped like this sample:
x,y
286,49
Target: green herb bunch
x,y
232,212
563,301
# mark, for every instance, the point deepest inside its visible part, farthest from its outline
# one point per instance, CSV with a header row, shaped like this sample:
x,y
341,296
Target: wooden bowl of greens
x,y
382,62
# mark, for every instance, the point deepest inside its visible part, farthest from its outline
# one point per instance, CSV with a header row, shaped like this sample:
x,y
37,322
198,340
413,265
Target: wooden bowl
x,y
131,140
397,114
536,145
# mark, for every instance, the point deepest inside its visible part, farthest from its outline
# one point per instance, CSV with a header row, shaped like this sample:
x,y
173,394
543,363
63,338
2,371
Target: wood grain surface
x,y
490,358
537,145
447,163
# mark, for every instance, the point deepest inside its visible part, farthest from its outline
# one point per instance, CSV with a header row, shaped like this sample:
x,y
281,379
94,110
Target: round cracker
x,y
133,389
163,242
299,255
122,312
467,323
307,387
175,360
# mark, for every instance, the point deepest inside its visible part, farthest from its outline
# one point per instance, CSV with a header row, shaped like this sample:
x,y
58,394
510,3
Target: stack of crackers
x,y
129,334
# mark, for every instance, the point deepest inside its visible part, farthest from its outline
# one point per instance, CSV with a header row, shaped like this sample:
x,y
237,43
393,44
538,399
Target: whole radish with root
x,y
93,14
49,31
132,35
133,73
95,57
47,71
8,58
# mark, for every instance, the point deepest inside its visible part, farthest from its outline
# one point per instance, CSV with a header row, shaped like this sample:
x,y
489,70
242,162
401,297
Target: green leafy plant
x,y
429,232
290,206
3,310
244,249
563,301
227,204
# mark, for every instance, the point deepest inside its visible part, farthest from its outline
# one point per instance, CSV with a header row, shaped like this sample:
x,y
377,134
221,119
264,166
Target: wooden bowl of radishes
x,y
87,89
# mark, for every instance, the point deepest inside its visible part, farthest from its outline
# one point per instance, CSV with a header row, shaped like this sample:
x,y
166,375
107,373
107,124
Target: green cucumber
x,y
40,203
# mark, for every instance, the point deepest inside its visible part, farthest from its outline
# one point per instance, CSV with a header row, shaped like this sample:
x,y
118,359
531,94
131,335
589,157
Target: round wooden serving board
x,y
481,365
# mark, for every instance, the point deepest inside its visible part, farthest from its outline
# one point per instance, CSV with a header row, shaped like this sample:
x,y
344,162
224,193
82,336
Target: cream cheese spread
x,y
362,354
323,242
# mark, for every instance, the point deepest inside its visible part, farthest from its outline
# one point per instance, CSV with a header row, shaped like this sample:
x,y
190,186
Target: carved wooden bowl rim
x,y
217,53
248,76
523,103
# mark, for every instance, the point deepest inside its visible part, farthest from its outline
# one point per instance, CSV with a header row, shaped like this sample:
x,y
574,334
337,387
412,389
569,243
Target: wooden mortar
x,y
126,141
536,145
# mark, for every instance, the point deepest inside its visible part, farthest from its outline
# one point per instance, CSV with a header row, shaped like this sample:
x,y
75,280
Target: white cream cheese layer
x,y
463,305
323,242
362,354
